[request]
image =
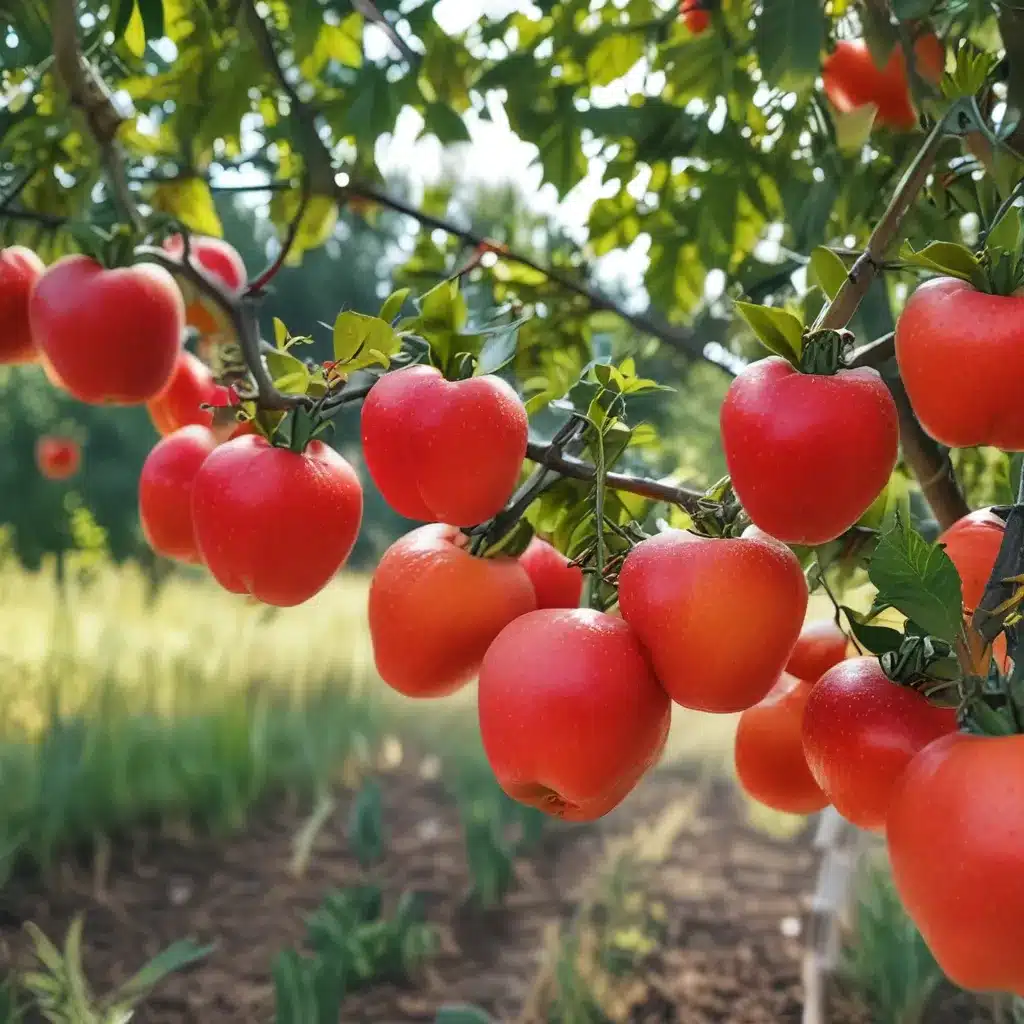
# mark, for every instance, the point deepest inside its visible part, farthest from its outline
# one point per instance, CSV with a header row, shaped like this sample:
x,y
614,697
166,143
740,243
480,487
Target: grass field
x,y
185,715
191,703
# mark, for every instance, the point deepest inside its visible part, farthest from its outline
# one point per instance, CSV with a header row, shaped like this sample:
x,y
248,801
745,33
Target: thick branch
x,y
997,603
565,465
88,93
929,463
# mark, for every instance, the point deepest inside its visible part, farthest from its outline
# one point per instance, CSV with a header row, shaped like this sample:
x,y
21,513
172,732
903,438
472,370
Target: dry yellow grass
x,y
194,644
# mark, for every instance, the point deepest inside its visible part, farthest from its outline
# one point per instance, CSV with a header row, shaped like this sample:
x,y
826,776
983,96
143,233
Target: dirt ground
x,y
729,899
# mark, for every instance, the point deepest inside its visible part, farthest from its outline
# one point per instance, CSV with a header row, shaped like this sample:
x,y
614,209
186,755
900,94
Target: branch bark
x,y
552,458
259,283
929,463
89,93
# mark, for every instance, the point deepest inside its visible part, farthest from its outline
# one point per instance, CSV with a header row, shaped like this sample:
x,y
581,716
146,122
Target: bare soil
x,y
729,898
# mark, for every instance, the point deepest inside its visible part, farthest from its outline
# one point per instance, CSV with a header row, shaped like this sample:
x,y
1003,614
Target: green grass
x,y
886,960
187,709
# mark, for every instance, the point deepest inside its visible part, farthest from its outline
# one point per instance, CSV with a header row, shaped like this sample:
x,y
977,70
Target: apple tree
x,y
838,184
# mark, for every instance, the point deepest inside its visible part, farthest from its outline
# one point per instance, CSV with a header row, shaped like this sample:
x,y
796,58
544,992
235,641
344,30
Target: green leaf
x,y
135,32
788,37
122,11
445,123
946,258
175,957
294,996
152,12
444,306
393,304
499,349
919,580
613,56
912,10
315,226
342,43
289,373
876,639
462,1013
827,271
281,335
361,340
1006,233
190,201
777,329
365,828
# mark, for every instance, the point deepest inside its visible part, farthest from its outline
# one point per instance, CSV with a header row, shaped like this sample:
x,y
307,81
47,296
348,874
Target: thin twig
x,y
683,339
566,465
319,162
18,187
46,220
838,313
259,283
875,353
320,165
369,11
241,313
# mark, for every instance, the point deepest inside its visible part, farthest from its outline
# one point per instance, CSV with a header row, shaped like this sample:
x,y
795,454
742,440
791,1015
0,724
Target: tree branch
x,y
46,220
89,93
929,463
875,353
242,314
322,181
551,457
838,313
319,162
682,339
259,284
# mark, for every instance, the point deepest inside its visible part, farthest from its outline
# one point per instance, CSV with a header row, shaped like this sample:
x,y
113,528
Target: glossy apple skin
x,y
719,617
444,451
274,523
571,714
435,609
959,352
165,492
20,268
557,582
860,731
808,454
110,336
953,833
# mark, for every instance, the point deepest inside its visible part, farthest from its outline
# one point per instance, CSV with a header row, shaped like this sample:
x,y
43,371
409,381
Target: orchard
x,y
736,447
